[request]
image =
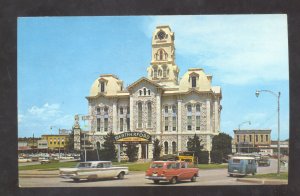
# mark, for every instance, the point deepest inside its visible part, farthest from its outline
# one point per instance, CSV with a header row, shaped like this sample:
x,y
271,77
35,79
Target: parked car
x,y
46,160
172,171
242,165
263,161
24,160
92,170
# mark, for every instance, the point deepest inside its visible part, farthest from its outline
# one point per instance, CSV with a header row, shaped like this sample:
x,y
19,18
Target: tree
x,y
108,151
70,142
194,145
131,152
156,149
221,147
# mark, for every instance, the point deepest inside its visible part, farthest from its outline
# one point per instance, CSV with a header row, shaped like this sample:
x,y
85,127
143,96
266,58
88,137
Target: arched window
x,y
174,110
98,110
161,55
198,108
159,72
106,111
140,92
166,109
98,145
166,147
174,148
148,92
164,71
149,124
189,108
155,72
140,113
145,91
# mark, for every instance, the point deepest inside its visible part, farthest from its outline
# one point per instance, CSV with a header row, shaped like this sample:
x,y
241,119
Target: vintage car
x,y
172,171
92,170
264,161
242,165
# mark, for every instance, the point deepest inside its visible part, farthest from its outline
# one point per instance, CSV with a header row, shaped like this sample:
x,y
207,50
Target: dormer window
x,y
194,81
102,87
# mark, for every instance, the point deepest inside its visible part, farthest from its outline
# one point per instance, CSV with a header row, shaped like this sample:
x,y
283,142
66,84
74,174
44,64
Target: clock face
x,y
161,34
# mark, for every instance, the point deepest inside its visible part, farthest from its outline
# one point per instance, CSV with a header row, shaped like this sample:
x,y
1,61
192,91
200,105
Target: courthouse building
x,y
160,104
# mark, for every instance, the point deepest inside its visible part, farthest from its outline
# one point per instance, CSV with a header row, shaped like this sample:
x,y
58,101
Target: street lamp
x,y
278,103
240,129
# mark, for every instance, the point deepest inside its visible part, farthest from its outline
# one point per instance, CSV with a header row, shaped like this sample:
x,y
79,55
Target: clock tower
x,y
162,68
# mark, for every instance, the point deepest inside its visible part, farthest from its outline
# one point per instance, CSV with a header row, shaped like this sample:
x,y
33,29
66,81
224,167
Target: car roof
x,y
240,157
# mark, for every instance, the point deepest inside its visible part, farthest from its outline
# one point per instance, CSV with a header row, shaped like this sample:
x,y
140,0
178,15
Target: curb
x,y
263,181
38,176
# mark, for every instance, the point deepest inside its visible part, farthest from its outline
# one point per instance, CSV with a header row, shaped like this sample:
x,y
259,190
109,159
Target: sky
x,y
60,57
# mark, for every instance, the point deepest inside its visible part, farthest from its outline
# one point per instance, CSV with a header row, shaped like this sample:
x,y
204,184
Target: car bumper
x,y
156,178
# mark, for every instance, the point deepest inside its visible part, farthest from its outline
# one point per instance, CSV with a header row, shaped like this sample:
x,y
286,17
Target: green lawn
x,y
49,166
131,166
283,176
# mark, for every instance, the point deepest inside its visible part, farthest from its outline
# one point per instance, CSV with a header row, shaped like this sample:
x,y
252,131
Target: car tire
x,y
193,179
173,180
121,176
156,181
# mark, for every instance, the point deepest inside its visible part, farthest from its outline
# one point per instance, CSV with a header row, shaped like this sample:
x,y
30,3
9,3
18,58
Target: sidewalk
x,y
38,173
262,181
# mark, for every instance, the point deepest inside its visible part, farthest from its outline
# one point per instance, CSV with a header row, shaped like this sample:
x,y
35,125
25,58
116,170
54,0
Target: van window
x,y
171,166
236,160
157,165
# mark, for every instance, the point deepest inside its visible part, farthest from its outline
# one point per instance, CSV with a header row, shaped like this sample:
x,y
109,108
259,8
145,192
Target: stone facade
x,y
160,104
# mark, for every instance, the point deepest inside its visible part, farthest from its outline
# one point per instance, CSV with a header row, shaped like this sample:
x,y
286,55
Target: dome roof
x,y
203,80
111,82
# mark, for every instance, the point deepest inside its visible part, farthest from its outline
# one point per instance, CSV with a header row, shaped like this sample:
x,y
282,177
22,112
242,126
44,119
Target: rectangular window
x,y
250,138
105,124
193,82
261,138
98,124
256,138
238,138
244,138
128,124
189,123
174,123
121,124
166,109
102,87
267,138
121,110
197,123
166,123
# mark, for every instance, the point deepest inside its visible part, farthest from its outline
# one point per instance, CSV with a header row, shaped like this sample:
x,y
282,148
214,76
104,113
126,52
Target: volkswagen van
x,y
241,166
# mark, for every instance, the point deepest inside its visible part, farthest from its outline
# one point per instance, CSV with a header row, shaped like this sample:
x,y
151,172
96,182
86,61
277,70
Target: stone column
x,y
158,114
216,107
139,151
179,127
150,151
115,117
208,120
131,113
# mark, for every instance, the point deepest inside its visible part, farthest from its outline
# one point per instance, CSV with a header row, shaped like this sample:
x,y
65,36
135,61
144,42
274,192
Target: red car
x,y
172,171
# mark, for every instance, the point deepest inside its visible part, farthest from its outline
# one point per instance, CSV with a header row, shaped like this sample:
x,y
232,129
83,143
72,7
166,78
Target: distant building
x,y
251,140
56,142
284,147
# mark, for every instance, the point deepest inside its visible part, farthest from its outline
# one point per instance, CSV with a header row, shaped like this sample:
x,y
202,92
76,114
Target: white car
x,y
92,170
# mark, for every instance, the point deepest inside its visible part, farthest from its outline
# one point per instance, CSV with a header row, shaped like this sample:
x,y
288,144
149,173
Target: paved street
x,y
207,177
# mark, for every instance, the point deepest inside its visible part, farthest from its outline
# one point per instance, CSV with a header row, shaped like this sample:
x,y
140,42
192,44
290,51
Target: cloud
x,y
39,119
241,49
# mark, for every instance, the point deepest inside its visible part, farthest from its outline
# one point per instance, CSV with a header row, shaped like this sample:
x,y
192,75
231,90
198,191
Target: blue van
x,y
241,166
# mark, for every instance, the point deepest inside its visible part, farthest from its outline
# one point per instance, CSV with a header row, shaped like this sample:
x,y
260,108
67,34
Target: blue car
x,y
241,166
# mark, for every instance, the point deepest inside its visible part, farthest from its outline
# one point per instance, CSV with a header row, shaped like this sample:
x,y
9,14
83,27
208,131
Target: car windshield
x,y
86,165
157,165
236,161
